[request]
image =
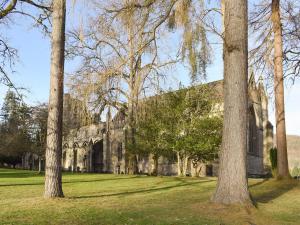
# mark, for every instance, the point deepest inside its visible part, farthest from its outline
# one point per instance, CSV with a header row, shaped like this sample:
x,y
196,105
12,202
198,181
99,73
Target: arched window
x,y
66,145
252,134
85,144
75,145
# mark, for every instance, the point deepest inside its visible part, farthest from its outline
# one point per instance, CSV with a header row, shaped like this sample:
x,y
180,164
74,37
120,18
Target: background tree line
x,y
22,129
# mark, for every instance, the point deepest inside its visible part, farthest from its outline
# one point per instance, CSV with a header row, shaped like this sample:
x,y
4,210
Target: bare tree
x,y
277,54
262,52
232,186
53,176
11,6
291,39
120,52
37,10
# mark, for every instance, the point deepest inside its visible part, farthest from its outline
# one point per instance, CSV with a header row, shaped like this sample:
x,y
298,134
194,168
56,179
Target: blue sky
x,y
33,69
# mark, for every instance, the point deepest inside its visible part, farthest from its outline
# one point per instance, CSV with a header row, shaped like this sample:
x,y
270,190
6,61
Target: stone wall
x,y
101,147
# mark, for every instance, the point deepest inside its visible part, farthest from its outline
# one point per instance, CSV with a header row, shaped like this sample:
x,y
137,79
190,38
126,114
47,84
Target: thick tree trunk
x,y
53,176
232,186
282,160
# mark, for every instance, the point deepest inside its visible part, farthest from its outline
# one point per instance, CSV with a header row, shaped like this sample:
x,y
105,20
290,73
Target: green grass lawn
x,y
111,199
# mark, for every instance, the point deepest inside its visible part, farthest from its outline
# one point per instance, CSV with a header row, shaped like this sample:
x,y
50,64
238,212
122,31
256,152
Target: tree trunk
x,y
232,186
53,176
179,164
182,163
40,164
132,159
197,167
185,164
282,160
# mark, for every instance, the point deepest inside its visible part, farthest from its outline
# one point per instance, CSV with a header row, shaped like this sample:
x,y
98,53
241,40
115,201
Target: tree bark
x,y
178,164
282,160
132,159
53,176
182,163
197,167
232,186
40,164
185,164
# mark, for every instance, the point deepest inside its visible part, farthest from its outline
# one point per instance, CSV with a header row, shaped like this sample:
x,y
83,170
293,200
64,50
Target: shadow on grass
x,y
259,183
9,173
268,190
149,190
24,174
70,182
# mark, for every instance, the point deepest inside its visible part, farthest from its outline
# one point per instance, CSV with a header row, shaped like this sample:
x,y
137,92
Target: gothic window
x,y
252,138
66,145
85,144
251,131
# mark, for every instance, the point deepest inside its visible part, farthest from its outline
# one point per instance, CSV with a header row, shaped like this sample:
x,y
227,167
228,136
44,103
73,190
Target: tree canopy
x,y
180,123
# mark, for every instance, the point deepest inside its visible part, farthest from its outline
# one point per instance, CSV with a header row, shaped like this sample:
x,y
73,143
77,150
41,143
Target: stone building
x,y
100,147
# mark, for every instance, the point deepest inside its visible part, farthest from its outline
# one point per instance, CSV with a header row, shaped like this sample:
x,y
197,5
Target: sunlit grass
x,y
111,199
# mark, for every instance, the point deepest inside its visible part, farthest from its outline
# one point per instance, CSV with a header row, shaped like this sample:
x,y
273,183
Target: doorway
x,y
97,157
